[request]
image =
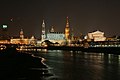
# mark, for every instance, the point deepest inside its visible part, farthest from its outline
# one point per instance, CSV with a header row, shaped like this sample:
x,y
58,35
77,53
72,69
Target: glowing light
x,y
4,26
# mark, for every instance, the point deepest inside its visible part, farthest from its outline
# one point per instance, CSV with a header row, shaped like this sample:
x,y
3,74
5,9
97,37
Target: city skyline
x,y
84,16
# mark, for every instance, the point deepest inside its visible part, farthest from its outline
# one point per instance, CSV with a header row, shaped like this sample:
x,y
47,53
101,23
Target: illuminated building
x,y
21,34
55,37
32,40
20,40
52,29
72,35
67,31
43,36
96,36
4,41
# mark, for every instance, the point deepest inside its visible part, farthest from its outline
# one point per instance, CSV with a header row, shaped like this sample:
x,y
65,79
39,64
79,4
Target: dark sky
x,y
84,16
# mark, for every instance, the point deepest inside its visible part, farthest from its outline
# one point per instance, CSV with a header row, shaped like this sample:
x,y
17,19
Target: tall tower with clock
x,y
67,30
43,36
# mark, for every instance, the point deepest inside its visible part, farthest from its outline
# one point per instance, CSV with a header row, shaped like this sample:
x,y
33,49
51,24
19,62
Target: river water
x,y
67,65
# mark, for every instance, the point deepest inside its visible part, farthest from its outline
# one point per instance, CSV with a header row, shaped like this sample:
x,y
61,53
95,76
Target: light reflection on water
x,y
69,65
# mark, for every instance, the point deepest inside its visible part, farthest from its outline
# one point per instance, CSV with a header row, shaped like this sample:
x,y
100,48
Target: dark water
x,y
68,65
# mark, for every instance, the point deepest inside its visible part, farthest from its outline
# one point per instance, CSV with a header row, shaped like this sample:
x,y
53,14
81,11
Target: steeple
x,y
21,34
43,31
67,30
67,23
72,34
43,22
52,29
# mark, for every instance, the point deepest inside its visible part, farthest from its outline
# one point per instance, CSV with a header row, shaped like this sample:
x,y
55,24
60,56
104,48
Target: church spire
x,y
67,24
43,22
67,30
52,29
43,31
21,34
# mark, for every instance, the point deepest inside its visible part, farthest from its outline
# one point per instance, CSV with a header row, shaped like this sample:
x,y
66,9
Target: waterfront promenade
x,y
115,49
105,49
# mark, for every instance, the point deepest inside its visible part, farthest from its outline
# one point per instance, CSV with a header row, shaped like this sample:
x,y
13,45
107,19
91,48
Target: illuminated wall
x,y
67,31
97,36
19,41
55,37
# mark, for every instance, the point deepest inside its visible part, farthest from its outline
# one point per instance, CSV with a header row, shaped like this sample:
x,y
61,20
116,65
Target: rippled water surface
x,y
67,65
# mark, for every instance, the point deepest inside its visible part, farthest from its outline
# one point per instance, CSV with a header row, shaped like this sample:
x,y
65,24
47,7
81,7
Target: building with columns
x,y
96,36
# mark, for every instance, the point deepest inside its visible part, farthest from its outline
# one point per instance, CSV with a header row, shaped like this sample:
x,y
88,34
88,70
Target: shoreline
x,y
15,65
110,50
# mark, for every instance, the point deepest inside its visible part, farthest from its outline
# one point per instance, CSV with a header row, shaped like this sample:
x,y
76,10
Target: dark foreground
x,y
21,66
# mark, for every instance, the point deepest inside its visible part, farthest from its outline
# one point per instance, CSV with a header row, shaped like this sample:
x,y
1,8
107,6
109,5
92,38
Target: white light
x,y
4,26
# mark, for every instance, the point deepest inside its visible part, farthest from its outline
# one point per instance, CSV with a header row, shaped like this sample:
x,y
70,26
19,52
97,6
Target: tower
x,y
72,35
21,34
52,29
43,31
67,30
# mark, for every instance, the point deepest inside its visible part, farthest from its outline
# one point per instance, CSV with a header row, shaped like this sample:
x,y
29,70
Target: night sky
x,y
84,16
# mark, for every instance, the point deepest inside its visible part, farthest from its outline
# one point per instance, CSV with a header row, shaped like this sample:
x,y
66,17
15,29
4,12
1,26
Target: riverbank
x,y
16,65
114,50
109,50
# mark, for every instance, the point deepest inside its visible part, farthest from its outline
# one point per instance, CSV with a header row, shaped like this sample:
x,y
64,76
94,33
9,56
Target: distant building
x,y
96,36
19,40
43,36
52,36
21,34
67,30
55,37
22,39
32,41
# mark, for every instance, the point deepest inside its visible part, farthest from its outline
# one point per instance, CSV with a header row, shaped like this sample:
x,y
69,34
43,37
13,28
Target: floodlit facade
x,y
43,36
96,36
22,40
55,37
51,35
67,30
19,41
